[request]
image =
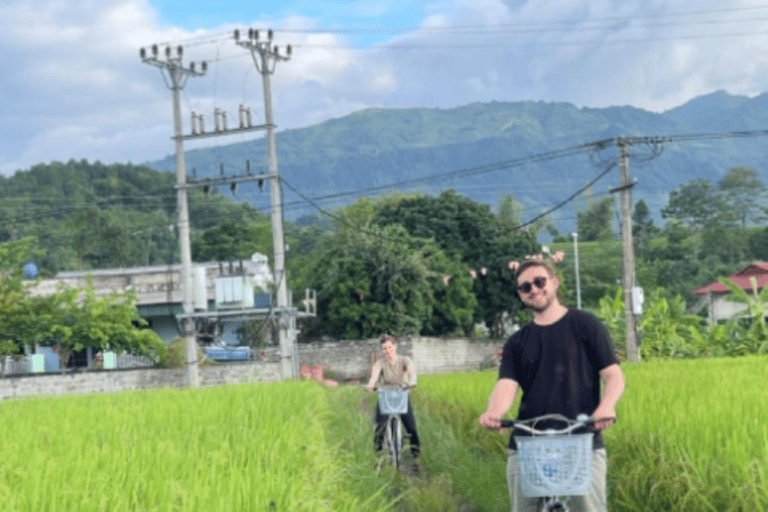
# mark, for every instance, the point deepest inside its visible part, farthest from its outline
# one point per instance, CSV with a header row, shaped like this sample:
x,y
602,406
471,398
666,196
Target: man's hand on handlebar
x,y
489,422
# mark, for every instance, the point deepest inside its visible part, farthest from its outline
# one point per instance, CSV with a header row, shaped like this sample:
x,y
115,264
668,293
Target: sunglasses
x,y
526,287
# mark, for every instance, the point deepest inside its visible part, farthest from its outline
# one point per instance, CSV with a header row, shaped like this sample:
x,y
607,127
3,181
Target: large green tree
x,y
472,233
372,279
744,194
696,204
596,222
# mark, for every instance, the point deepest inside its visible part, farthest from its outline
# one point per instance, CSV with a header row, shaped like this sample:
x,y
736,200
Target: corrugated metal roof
x,y
757,270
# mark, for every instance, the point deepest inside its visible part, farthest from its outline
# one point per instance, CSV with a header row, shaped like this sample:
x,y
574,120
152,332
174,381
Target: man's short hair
x,y
387,337
526,264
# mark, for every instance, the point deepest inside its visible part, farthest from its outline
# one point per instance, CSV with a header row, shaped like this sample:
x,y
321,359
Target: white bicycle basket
x,y
555,465
393,401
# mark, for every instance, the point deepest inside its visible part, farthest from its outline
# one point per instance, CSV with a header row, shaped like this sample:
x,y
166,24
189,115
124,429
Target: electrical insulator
x,y
237,34
261,184
204,65
233,187
224,121
168,52
143,53
206,189
250,33
217,119
270,34
241,115
200,123
192,66
194,173
179,50
221,169
248,167
288,50
256,34
154,50
193,123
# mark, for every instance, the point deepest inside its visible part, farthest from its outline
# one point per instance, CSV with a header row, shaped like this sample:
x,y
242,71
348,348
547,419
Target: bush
x,y
176,355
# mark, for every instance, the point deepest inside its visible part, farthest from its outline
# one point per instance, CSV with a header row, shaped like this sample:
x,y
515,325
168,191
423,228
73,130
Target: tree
x,y
696,205
12,290
231,240
369,283
471,232
643,228
372,279
69,320
744,193
75,318
595,223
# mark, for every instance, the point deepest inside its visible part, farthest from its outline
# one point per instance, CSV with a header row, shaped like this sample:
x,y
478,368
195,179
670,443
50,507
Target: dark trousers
x,y
409,422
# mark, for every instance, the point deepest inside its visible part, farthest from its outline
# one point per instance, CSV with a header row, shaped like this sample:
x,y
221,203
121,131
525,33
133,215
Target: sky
x,y
72,84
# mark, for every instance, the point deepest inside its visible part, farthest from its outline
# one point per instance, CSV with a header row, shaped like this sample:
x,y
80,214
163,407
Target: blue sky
x,y
73,85
327,14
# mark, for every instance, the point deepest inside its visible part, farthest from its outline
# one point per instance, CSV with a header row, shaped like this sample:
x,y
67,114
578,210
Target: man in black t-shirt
x,y
558,360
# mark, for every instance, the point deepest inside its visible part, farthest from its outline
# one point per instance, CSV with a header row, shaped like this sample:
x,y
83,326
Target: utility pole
x,y
628,255
175,77
576,264
265,57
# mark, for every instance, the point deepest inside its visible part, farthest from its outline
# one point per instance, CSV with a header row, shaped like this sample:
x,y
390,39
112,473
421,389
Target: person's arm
x,y
375,372
500,401
613,380
410,373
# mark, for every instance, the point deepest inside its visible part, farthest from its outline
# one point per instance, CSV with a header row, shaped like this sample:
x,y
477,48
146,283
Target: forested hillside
x,y
90,215
490,150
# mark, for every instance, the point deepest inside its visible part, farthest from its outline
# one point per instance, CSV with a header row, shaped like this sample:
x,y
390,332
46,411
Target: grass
x,y
692,435
250,447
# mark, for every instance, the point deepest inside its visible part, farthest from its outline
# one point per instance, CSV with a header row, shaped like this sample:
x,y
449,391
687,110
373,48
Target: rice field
x,y
692,435
251,447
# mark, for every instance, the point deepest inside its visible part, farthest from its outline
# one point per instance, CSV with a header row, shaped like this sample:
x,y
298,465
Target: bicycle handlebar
x,y
390,386
529,425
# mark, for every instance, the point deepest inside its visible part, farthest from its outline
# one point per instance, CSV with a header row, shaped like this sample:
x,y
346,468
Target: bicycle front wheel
x,y
392,440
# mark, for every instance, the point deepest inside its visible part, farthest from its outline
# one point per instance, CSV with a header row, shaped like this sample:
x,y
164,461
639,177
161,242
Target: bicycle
x,y
554,464
393,401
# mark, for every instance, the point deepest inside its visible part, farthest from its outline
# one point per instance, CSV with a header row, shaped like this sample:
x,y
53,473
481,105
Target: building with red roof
x,y
720,308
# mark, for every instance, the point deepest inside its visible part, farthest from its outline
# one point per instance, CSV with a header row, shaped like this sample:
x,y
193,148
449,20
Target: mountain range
x,y
489,150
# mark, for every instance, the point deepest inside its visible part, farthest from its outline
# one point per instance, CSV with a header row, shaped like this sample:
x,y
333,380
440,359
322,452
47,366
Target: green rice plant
x,y
249,447
464,474
692,434
458,399
432,490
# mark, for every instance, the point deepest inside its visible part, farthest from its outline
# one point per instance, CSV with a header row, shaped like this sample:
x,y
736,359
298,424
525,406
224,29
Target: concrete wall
x,y
353,359
348,359
104,381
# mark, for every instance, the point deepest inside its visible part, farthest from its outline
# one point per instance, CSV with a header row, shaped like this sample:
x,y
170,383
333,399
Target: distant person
x,y
558,360
394,370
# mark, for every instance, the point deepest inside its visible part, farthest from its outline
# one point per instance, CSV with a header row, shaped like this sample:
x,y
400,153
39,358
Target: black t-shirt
x,y
557,367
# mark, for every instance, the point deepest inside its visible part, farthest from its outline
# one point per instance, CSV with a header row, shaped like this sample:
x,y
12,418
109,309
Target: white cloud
x,y
73,85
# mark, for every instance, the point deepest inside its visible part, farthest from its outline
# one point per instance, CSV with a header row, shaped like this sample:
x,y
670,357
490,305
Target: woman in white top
x,y
394,370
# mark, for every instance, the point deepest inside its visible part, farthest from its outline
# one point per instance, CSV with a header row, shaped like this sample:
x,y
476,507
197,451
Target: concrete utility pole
x,y
176,79
628,254
576,264
265,57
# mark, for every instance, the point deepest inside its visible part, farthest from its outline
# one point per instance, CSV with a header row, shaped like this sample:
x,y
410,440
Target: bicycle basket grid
x,y
555,464
393,401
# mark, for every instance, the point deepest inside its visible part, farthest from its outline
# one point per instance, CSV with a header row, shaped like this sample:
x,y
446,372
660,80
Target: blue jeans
x,y
595,501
